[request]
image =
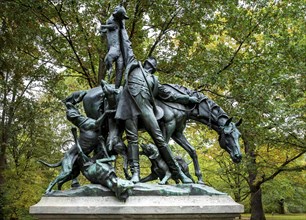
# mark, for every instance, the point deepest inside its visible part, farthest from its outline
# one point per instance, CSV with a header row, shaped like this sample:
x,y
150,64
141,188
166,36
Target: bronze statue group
x,y
141,103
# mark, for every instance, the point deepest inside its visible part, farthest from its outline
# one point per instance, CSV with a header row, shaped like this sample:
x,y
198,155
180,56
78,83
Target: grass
x,y
301,216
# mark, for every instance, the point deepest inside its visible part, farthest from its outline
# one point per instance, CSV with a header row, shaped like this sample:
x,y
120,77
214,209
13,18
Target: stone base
x,y
137,207
147,202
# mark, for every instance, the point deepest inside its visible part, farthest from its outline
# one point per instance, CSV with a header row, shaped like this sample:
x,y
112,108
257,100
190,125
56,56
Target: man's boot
x,y
133,156
173,165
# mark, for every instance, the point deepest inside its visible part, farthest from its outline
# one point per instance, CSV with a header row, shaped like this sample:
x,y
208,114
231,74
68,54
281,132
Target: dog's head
x,y
111,93
120,147
150,150
120,13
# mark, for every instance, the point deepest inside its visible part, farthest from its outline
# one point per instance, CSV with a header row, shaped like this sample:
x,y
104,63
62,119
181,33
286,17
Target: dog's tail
x,y
50,164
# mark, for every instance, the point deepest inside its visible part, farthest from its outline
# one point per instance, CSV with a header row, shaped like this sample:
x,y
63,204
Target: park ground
x,y
300,216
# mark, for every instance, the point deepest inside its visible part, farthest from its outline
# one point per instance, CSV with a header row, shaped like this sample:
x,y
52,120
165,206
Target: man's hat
x,y
152,61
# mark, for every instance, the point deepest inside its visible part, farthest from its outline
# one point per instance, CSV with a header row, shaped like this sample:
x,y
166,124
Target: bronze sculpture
x,y
142,103
175,118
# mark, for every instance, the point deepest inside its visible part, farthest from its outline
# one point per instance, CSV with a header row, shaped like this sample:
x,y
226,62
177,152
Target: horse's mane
x,y
184,90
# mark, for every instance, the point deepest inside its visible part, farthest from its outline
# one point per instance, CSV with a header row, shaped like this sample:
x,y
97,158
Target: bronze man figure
x,y
137,102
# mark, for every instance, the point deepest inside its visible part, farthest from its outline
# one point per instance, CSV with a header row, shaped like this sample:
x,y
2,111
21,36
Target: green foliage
x,y
290,188
30,120
279,217
26,179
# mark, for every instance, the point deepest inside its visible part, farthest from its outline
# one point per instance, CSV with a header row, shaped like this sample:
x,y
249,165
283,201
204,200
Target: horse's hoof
x,y
161,183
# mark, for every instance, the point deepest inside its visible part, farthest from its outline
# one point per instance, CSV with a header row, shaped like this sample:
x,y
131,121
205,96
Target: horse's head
x,y
229,139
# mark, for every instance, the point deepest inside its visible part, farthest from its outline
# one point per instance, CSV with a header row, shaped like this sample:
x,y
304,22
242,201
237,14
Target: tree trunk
x,y
282,209
257,212
3,162
2,180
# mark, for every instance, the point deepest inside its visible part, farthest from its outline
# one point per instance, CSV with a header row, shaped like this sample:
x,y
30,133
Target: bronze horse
x,y
206,112
175,119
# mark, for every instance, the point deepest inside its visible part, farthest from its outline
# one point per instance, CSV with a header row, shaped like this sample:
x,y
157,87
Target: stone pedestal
x,y
214,206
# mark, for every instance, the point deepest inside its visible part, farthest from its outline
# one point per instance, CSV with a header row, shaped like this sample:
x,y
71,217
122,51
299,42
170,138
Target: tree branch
x,y
137,13
87,43
67,37
70,42
59,65
283,168
163,30
231,61
217,94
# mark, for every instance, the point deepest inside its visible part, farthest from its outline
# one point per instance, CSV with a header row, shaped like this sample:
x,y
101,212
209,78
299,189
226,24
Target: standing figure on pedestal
x,y
137,104
112,29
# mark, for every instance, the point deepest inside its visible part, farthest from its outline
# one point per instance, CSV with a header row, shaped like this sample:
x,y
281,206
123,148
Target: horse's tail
x,y
50,164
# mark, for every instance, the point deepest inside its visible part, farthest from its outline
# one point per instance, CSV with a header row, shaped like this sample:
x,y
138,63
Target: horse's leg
x,y
168,128
180,138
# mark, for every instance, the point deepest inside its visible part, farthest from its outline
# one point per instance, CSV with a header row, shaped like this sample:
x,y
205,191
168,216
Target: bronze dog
x,y
159,168
112,29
